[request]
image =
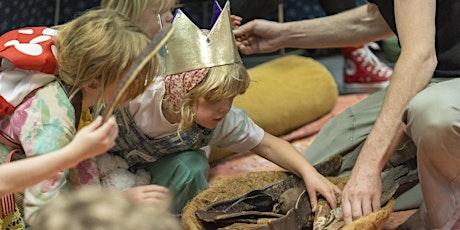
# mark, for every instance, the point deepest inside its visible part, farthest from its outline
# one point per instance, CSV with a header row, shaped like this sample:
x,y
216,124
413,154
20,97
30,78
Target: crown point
x,y
193,48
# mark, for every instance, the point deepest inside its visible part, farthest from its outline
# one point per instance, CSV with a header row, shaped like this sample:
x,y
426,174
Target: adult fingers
x,y
244,29
366,207
376,204
236,21
245,47
346,211
235,17
356,209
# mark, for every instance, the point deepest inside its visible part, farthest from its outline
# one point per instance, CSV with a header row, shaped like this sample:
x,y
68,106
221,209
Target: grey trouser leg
x,y
345,133
433,122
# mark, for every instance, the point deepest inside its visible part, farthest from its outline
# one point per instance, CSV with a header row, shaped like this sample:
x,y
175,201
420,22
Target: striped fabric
x,y
8,205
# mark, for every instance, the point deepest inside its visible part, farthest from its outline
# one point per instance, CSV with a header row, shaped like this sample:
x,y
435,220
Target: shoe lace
x,y
372,62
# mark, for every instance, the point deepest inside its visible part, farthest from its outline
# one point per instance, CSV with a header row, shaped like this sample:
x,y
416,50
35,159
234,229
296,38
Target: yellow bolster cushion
x,y
285,94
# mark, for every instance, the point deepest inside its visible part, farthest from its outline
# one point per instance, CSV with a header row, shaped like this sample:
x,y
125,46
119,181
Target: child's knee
x,y
195,166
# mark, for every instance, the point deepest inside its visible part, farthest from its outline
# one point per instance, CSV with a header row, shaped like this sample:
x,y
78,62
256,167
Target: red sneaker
x,y
363,71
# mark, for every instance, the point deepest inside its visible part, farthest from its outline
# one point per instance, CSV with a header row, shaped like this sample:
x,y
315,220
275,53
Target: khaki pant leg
x,y
345,134
346,131
433,122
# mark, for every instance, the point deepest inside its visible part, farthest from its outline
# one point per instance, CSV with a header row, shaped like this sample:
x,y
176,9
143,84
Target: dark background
x,y
22,13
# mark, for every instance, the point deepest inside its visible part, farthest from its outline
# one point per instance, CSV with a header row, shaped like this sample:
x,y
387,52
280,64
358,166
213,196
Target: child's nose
x,y
225,106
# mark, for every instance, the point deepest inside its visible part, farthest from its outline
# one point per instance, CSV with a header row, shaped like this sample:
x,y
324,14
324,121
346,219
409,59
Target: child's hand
x,y
150,194
96,138
318,184
236,21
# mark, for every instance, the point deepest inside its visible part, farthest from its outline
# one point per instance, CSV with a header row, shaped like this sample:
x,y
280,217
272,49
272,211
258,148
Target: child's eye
x,y
170,10
212,101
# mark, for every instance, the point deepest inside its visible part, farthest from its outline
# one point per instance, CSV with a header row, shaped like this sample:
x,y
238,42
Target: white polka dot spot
x,y
11,43
30,49
26,31
40,39
54,50
49,31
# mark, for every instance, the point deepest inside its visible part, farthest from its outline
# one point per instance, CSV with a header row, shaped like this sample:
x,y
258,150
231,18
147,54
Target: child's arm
x,y
285,155
90,141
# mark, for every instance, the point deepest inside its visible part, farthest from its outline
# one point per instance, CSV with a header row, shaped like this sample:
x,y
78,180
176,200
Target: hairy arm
x,y
353,27
413,71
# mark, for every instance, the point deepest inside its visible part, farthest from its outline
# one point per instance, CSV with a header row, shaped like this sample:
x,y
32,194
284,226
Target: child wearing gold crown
x,y
191,107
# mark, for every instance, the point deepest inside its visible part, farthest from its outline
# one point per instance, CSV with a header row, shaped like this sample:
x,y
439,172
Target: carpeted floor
x,y
241,163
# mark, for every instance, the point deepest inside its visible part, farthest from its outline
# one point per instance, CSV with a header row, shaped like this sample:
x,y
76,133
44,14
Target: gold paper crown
x,y
190,48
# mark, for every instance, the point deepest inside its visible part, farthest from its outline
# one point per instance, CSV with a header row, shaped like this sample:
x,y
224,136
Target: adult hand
x,y
258,36
236,21
361,195
96,138
149,194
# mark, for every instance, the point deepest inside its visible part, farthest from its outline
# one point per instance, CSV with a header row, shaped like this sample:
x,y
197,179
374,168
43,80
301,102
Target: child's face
x,y
90,93
149,21
208,114
109,91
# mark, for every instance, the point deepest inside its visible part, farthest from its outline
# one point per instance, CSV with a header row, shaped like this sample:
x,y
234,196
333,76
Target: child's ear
x,y
91,86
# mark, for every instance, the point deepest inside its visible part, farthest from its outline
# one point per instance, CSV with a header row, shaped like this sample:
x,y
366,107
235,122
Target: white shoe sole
x,y
364,87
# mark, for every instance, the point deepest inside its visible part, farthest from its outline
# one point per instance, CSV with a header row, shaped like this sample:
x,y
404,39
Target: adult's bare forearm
x,y
412,74
354,27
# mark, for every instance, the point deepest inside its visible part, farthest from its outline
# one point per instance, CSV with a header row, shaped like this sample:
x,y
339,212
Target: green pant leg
x,y
185,174
346,131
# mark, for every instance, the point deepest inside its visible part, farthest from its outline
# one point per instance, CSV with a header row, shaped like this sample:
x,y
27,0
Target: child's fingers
x,y
108,126
114,127
104,133
155,188
95,124
331,199
313,199
338,195
111,122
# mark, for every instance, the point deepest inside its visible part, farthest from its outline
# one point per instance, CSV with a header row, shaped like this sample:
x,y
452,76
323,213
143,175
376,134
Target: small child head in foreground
x,y
92,208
